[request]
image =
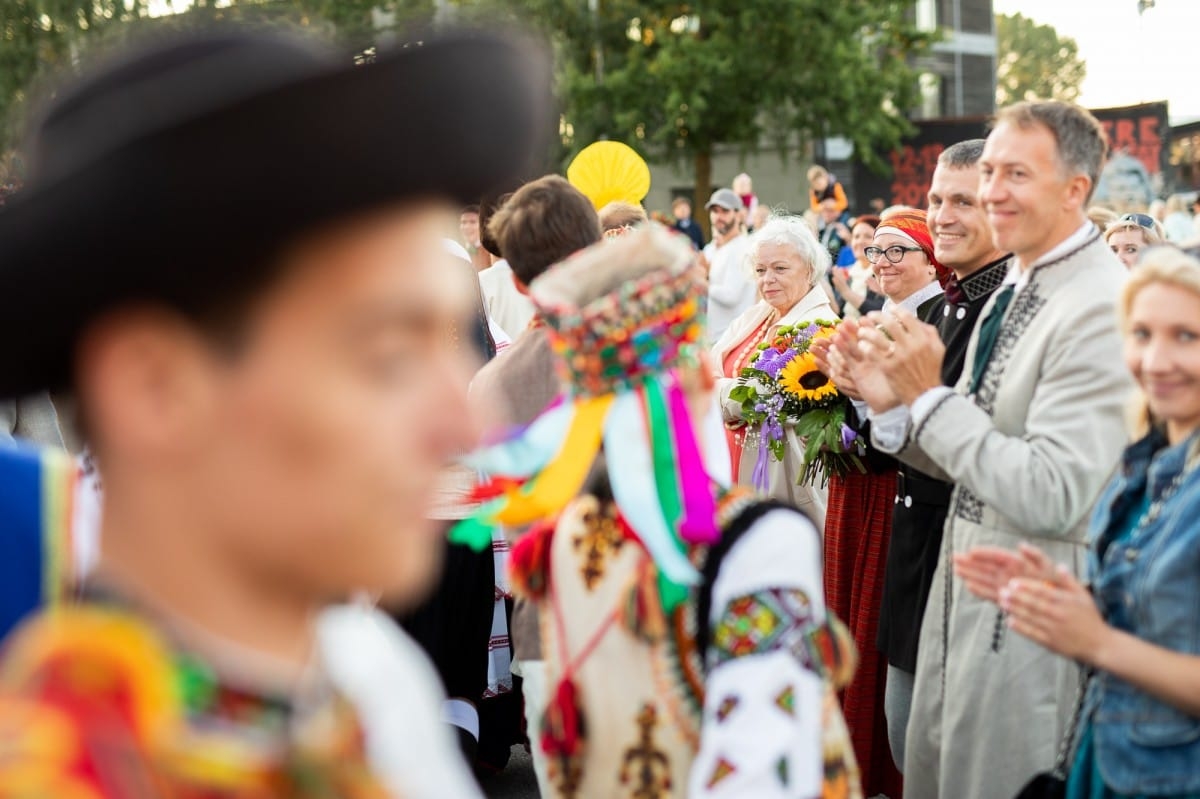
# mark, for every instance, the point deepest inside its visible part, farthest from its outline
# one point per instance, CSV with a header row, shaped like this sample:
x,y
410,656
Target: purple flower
x,y
772,361
848,437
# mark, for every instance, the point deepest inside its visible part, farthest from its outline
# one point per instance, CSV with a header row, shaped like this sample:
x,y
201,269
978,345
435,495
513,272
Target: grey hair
x,y
794,232
1082,145
962,154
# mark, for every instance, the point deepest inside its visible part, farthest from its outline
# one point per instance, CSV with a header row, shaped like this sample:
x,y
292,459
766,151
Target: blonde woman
x,y
1136,628
1131,234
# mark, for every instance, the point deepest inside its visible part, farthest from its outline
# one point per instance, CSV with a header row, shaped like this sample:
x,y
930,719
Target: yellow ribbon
x,y
561,479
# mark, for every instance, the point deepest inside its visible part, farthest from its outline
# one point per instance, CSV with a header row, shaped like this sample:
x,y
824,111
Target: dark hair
x,y
962,154
487,209
470,209
541,224
867,219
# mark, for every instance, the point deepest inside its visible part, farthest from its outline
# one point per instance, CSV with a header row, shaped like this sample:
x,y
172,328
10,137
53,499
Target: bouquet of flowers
x,y
784,387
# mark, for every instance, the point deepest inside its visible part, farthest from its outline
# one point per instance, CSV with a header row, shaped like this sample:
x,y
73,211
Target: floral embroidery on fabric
x,y
786,700
108,710
727,706
645,765
774,619
1025,307
602,537
722,771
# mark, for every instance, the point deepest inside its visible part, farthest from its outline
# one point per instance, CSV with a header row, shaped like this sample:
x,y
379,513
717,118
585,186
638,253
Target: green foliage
x,y
676,79
1035,62
44,39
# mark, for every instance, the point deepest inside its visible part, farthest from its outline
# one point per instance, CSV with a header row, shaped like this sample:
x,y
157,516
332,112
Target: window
x,y
927,15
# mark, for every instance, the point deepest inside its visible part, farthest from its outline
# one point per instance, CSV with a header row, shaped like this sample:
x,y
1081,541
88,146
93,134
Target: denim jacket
x,y
1148,584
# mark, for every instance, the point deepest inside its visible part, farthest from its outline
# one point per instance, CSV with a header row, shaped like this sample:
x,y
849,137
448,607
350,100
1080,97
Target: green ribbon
x,y
475,531
666,481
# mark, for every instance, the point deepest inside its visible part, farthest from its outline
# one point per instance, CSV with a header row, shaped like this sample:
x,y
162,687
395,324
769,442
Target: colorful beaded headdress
x,y
646,326
622,315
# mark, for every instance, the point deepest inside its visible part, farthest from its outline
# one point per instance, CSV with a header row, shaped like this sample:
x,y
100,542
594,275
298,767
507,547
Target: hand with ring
x,y
907,351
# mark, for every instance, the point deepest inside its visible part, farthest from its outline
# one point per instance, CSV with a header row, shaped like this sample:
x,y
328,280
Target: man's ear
x,y
145,376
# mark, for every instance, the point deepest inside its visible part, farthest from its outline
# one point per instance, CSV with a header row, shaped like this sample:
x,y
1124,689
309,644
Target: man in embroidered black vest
x,y
1029,435
962,241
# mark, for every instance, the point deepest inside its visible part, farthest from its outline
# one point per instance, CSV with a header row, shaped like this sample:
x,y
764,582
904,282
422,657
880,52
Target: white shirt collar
x,y
1020,278
913,301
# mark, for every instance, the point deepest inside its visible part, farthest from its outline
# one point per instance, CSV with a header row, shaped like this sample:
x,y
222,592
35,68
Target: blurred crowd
x,y
351,493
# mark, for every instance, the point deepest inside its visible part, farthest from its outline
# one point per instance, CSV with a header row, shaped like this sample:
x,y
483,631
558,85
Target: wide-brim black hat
x,y
164,174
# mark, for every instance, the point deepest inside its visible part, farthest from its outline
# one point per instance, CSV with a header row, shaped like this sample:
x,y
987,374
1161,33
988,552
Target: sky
x,y
1130,59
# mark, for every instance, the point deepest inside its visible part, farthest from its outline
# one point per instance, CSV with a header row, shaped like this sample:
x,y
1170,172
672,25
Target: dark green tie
x,y
989,331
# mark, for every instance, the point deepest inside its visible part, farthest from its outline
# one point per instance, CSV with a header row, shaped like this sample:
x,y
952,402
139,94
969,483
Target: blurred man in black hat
x,y
253,360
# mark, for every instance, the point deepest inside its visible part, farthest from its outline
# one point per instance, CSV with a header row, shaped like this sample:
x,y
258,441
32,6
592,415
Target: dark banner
x,y
1137,134
913,163
1138,137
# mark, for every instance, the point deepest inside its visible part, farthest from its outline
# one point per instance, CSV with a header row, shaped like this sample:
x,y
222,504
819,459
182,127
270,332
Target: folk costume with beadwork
x,y
688,648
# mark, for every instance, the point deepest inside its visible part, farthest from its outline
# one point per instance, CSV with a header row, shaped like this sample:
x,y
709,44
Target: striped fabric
x,y
858,526
36,498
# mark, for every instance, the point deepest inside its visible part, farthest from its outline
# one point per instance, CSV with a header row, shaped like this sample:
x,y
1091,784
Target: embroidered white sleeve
x,y
761,733
781,550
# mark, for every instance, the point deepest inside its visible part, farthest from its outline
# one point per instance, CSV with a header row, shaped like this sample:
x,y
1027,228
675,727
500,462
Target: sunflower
x,y
804,379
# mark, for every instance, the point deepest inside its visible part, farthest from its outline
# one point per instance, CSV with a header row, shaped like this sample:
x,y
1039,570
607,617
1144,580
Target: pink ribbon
x,y
699,523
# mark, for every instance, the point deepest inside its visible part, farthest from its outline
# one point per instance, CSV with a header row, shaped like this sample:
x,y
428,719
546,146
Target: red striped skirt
x,y
858,526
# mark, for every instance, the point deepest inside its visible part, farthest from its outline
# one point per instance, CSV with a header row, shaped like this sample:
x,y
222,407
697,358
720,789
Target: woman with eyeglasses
x,y
858,523
1137,629
1131,234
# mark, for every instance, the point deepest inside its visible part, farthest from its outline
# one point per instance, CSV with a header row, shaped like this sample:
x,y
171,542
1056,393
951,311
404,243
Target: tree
x,y
676,79
1034,62
41,38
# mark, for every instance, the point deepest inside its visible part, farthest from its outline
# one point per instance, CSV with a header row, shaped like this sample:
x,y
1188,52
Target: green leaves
x,y
676,79
1034,61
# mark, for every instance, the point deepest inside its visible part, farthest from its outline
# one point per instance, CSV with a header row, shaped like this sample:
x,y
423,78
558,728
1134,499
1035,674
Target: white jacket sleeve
x,y
761,731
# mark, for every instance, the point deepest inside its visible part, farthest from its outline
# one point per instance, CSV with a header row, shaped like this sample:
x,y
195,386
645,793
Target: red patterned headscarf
x,y
911,223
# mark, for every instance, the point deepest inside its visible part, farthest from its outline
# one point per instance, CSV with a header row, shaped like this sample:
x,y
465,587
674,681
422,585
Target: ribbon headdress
x,y
621,316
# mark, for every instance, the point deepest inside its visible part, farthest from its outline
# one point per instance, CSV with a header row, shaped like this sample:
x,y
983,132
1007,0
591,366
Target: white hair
x,y
794,232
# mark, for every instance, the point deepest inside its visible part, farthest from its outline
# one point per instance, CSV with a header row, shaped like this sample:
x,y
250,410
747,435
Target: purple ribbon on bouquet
x,y
759,478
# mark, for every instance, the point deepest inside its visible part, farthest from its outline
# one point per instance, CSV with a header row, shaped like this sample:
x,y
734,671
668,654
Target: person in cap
x,y
253,362
688,650
730,290
1029,435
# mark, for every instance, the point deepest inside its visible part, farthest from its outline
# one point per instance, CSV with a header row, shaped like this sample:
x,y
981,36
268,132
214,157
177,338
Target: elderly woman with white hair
x,y
787,264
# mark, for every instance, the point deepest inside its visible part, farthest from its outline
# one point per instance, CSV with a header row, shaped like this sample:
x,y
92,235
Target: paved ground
x,y
516,781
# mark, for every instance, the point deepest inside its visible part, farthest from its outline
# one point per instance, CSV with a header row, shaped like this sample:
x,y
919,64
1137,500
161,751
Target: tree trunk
x,y
703,169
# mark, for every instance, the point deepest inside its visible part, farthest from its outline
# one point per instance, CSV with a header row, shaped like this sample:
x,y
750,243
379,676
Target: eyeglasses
x,y
894,254
1139,219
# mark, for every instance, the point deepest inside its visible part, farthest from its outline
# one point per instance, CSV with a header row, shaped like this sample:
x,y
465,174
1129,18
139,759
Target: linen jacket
x,y
1029,453
781,475
1145,584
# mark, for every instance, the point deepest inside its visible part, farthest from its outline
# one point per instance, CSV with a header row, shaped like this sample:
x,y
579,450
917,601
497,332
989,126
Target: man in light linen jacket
x,y
1029,435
